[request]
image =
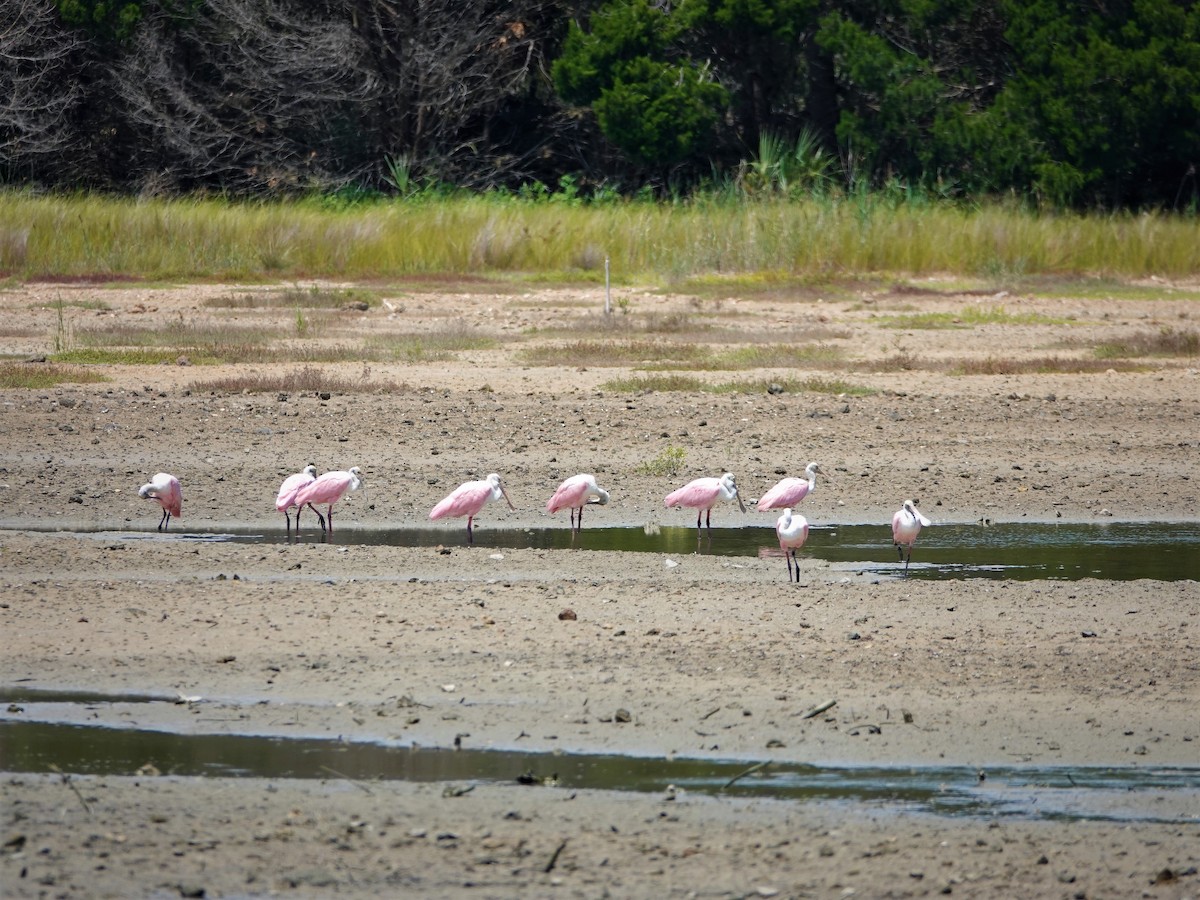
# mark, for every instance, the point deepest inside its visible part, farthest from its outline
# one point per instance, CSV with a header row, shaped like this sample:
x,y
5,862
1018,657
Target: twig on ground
x,y
741,775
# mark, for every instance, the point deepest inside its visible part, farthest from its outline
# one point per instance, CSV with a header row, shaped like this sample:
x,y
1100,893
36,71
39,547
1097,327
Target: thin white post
x,y
607,291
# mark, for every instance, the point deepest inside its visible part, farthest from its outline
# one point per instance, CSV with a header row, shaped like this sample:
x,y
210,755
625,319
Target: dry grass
x,y
39,375
1165,342
296,297
308,380
1040,366
663,382
599,353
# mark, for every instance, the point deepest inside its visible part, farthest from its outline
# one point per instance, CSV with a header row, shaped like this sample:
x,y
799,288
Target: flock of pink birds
x,y
307,489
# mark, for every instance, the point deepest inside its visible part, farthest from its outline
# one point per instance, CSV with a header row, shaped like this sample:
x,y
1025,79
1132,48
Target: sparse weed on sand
x,y
1043,365
39,375
1165,342
668,462
308,380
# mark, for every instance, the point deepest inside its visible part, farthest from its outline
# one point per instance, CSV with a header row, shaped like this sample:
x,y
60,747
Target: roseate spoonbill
x,y
703,494
328,489
575,493
286,498
790,491
468,499
792,530
164,488
906,525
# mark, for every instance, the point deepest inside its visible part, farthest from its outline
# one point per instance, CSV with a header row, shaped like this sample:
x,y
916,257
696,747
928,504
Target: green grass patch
x,y
296,297
1045,365
300,381
776,356
599,353
45,375
134,356
664,382
1164,342
968,317
430,346
668,462
778,249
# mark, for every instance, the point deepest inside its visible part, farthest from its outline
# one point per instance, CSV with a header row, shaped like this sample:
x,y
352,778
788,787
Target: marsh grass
x,y
810,238
295,297
600,353
135,356
968,317
1164,342
45,375
430,346
669,356
664,383
308,380
1044,365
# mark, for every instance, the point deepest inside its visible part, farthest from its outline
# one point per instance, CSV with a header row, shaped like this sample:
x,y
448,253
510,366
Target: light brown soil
x,y
712,656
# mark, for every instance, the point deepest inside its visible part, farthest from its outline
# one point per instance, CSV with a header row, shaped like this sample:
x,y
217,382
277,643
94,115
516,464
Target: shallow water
x,y
1088,793
1118,551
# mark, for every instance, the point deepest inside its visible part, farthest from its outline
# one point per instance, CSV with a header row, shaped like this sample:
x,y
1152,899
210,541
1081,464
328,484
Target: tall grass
x,y
51,236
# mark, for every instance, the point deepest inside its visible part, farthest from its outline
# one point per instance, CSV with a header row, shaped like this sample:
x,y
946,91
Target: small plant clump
x,y
668,462
38,375
1165,342
308,380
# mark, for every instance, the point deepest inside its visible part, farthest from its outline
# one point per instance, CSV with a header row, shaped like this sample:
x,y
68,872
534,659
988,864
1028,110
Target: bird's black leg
x,y
787,558
708,521
470,533
579,521
287,517
797,562
907,560
164,521
320,518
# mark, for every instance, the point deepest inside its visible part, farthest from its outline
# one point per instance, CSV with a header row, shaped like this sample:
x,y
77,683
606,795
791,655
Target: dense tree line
x,y
1082,102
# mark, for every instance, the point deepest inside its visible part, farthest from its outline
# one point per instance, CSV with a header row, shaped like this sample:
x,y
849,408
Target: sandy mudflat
x,y
711,656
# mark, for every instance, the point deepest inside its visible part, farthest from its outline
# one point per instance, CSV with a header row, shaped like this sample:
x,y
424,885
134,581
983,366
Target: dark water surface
x,y
1117,551
1116,794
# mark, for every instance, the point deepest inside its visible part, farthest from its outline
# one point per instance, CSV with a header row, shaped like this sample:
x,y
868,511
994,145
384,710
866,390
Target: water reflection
x,y
1124,794
1030,551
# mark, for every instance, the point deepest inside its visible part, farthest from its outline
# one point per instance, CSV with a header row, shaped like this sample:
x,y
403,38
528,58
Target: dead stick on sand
x,y
820,708
749,771
554,856
66,779
354,781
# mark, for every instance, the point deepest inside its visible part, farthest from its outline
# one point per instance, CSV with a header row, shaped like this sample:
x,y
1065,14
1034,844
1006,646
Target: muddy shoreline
x,y
710,657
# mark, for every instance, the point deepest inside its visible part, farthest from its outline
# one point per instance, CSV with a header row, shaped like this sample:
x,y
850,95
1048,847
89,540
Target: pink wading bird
x,y
575,493
906,525
328,489
792,531
790,491
286,497
468,499
702,495
165,489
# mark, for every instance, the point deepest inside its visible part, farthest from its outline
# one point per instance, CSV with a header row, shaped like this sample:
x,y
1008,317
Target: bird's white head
x,y
729,483
356,478
310,470
498,490
145,491
601,498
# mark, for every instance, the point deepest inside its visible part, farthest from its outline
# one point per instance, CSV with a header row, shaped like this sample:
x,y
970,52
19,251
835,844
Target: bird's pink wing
x,y
290,488
173,502
569,494
898,526
326,489
465,500
787,492
699,493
